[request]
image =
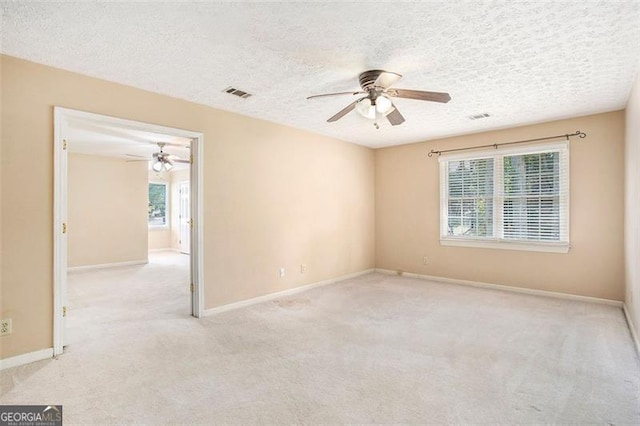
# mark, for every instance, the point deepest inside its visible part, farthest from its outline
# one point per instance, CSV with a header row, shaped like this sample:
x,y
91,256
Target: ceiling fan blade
x,y
177,159
135,161
334,94
387,79
170,144
133,155
344,111
420,95
394,117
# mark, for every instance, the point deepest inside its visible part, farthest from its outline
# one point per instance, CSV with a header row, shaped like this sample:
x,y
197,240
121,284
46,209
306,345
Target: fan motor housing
x,y
367,79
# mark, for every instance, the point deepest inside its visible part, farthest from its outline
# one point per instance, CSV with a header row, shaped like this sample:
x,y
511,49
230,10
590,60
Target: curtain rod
x,y
582,135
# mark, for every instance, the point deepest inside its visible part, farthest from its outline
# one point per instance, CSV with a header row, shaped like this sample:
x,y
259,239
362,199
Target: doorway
x,y
64,119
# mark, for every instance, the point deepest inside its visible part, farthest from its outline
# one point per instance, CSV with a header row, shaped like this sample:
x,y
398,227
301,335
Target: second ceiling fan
x,y
161,160
376,85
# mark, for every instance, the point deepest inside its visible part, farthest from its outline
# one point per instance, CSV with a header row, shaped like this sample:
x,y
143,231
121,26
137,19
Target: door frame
x,y
181,184
62,118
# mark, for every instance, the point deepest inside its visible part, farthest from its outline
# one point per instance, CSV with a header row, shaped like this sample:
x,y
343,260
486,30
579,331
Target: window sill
x,y
506,245
158,227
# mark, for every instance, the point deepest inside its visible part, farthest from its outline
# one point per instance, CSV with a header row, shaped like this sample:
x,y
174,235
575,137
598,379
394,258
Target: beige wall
x,y
274,196
160,238
107,210
407,214
632,205
176,178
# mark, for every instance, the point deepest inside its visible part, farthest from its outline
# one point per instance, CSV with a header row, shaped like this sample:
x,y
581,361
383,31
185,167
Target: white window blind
x,y
513,198
470,201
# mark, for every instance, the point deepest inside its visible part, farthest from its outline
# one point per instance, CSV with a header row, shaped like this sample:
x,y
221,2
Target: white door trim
x,y
62,116
59,238
183,220
197,232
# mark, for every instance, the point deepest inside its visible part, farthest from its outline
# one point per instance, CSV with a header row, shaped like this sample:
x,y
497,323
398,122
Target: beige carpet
x,y
375,349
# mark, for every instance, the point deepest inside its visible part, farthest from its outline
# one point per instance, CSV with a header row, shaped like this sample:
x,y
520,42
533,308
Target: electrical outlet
x,y
5,327
303,268
281,272
425,260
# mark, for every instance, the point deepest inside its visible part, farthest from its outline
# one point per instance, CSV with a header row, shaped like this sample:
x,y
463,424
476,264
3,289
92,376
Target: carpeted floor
x,y
374,349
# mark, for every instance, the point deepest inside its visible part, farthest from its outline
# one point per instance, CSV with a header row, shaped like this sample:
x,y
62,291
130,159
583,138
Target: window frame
x,y
497,241
166,203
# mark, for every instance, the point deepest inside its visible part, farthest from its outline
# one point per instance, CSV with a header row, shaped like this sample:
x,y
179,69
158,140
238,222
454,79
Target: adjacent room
x,y
312,213
128,246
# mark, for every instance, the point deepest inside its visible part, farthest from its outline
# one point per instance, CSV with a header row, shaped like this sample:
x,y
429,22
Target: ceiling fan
x,y
376,85
161,160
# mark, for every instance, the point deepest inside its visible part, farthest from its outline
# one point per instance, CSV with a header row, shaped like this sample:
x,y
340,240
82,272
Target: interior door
x,y
185,218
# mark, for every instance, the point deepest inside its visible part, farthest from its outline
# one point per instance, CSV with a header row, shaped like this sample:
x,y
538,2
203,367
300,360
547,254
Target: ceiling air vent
x,y
479,116
237,92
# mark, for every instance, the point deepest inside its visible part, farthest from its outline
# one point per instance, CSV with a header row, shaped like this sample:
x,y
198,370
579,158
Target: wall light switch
x,y
281,272
303,268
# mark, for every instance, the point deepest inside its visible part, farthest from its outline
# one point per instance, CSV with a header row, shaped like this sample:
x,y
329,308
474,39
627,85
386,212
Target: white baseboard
x,y
632,328
108,265
505,288
175,250
26,358
279,294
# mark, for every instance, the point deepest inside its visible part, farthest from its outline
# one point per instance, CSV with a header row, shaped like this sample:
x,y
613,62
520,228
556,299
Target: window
x,y
512,199
158,210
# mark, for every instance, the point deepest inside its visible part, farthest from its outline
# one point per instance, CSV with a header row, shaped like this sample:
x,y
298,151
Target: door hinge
x,y
192,287
64,228
191,159
64,144
64,311
191,223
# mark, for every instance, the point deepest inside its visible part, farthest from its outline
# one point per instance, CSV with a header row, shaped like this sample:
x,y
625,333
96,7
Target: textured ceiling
x,y
91,138
520,62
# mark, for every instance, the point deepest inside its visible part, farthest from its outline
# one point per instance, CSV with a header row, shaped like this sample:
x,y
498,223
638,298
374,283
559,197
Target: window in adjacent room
x,y
512,199
158,199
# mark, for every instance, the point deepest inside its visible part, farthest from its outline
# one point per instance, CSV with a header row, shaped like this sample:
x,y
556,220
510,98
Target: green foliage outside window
x,y
157,204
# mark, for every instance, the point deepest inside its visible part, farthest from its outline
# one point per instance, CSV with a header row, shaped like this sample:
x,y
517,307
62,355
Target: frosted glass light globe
x,y
383,105
365,109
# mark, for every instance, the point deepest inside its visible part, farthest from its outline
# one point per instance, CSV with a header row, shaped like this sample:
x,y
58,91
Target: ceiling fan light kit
x,y
161,164
373,109
377,103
